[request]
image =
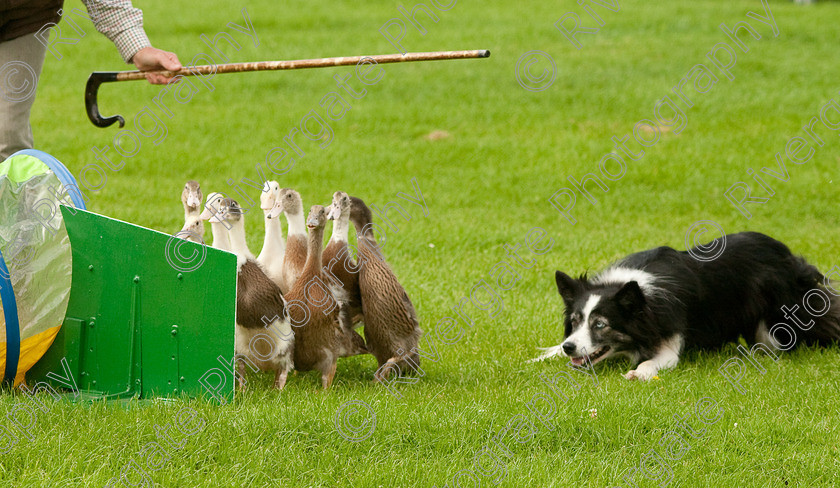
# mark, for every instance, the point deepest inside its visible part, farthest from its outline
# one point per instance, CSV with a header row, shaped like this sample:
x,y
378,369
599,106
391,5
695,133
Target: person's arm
x,y
120,22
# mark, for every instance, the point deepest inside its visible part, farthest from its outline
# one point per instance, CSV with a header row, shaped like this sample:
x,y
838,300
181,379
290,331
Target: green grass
x,y
486,185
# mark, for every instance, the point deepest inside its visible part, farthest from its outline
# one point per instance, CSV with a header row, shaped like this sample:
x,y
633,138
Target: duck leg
x,y
280,379
398,364
328,375
240,374
384,371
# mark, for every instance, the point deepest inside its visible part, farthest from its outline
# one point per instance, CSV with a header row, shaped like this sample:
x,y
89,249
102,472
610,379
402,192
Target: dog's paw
x,y
642,374
631,375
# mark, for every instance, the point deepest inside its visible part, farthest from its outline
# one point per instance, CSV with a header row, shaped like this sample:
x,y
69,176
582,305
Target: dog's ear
x,y
568,287
630,297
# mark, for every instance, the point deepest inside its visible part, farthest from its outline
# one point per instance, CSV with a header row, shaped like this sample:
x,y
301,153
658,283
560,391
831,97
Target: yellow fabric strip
x,y
31,350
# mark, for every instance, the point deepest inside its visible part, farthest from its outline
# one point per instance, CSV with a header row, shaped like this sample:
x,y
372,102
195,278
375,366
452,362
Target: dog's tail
x,y
550,352
816,289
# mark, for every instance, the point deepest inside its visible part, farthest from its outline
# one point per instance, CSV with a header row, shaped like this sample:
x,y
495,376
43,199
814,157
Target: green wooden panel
x,y
149,314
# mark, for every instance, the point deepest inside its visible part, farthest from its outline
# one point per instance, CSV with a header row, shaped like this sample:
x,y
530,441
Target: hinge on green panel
x,y
174,360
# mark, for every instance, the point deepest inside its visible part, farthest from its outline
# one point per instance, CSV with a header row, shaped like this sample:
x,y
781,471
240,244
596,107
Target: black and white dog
x,y
652,305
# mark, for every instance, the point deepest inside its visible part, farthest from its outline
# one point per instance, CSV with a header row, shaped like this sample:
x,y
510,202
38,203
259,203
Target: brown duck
x,y
294,258
193,228
391,327
339,266
319,338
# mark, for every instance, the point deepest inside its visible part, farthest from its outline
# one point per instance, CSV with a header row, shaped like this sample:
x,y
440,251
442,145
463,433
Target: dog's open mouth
x,y
593,358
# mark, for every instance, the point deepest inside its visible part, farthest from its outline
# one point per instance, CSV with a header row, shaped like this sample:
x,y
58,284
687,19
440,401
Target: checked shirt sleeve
x,y
120,22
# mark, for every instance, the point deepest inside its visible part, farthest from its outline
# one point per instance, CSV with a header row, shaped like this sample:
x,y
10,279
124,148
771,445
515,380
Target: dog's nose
x,y
569,347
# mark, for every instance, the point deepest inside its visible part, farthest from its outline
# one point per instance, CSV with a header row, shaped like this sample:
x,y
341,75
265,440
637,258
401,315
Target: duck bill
x,y
333,213
274,213
207,213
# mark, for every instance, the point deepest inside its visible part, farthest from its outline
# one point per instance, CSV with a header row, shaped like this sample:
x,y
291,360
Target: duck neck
x,y
341,229
365,241
315,250
190,213
296,225
364,230
237,239
220,236
273,235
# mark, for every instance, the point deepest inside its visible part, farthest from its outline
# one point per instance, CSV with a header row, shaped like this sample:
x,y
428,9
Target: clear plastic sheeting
x,y
36,249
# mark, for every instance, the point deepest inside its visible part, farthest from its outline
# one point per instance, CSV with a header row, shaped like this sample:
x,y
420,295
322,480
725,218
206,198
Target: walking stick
x,y
98,77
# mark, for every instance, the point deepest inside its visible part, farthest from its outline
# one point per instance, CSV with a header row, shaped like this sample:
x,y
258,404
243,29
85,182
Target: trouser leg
x,y
21,60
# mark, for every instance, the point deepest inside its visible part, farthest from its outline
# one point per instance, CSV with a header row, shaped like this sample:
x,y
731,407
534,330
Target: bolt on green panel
x,y
149,314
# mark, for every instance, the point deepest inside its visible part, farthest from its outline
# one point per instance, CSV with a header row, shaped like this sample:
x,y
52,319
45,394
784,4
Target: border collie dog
x,y
652,305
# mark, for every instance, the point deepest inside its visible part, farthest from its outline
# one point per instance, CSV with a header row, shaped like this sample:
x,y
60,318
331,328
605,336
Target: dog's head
x,y
600,320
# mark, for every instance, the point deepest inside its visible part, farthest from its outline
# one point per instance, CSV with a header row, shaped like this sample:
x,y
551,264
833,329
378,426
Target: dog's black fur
x,y
653,304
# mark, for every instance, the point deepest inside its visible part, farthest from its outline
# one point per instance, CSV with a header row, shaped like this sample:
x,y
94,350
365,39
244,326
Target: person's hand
x,y
150,58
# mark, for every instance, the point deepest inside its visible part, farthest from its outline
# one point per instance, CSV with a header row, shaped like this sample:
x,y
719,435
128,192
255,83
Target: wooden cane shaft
x,y
305,63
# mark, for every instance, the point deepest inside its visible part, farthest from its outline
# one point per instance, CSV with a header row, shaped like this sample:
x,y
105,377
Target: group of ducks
x,y
298,305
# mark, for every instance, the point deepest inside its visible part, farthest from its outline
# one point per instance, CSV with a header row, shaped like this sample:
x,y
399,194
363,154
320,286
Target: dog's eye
x,y
600,324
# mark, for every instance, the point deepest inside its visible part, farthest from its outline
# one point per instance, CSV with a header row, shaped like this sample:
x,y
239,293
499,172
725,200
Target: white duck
x,y
219,227
274,246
